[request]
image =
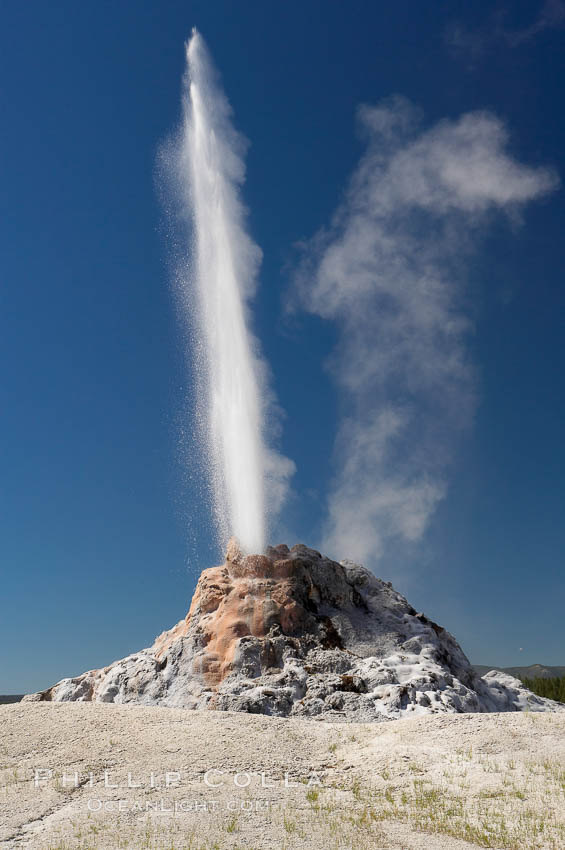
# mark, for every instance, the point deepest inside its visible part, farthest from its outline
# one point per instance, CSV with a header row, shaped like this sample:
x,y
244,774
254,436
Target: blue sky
x,y
103,535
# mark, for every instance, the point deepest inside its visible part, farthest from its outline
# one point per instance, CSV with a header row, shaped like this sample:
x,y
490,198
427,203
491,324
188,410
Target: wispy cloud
x,y
472,44
389,271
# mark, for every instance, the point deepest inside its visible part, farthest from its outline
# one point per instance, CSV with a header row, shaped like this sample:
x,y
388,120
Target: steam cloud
x,y
389,271
213,288
473,44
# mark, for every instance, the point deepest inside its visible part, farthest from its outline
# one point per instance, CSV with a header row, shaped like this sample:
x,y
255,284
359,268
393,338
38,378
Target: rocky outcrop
x,y
293,633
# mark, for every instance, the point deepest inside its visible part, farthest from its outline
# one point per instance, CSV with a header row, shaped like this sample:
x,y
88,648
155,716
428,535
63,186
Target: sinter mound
x,y
293,633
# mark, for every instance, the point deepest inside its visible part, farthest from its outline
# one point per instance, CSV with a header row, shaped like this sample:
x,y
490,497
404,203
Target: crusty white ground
x,y
447,781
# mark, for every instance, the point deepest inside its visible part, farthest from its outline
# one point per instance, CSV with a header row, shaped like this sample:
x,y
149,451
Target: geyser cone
x,y
293,633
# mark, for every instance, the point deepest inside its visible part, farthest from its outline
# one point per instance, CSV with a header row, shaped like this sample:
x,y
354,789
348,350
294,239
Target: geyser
x,y
214,289
292,633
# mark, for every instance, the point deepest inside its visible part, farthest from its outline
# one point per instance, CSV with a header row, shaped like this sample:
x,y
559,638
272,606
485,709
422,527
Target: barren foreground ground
x,y
223,780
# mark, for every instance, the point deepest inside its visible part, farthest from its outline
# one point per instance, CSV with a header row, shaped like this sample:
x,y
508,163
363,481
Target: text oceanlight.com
x,y
180,807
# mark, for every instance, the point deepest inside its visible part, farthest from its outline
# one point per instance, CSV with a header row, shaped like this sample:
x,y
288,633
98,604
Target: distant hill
x,y
6,698
534,671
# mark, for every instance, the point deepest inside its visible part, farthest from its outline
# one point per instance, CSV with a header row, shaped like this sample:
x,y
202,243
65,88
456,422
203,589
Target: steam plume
x,y
389,272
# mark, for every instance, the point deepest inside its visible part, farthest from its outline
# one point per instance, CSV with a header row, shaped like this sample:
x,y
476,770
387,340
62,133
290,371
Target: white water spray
x,y
231,382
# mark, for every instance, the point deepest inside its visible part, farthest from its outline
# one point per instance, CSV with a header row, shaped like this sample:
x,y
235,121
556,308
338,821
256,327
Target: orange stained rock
x,y
242,597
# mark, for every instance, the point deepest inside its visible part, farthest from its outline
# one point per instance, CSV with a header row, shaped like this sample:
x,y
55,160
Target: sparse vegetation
x,y
312,795
479,780
231,825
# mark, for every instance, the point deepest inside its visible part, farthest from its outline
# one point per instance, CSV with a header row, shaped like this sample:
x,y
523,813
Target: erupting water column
x,y
224,268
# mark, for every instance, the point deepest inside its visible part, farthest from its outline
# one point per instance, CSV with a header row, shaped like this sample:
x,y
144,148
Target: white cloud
x,y
389,272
